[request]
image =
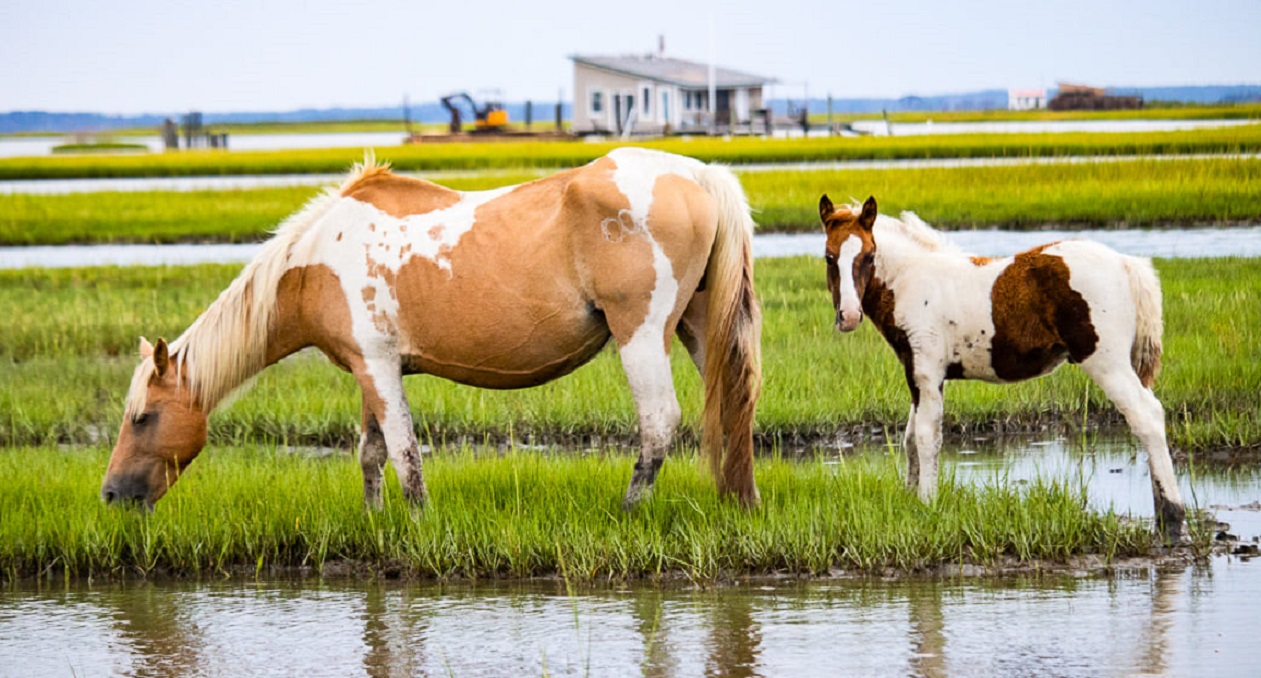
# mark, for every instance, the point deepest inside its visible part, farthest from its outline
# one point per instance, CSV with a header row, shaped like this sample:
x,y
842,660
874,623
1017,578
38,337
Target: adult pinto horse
x,y
507,288
948,315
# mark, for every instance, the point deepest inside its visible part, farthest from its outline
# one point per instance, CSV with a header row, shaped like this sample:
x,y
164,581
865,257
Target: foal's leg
x,y
1146,417
372,456
382,383
927,432
912,456
647,367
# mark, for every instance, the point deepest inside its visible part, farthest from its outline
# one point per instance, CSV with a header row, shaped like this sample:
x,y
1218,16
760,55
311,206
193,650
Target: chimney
x,y
661,46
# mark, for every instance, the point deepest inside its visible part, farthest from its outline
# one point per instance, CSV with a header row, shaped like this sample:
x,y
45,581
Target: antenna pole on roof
x,y
713,48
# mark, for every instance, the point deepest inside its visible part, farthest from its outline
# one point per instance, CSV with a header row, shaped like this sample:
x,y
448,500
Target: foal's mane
x,y
907,230
227,344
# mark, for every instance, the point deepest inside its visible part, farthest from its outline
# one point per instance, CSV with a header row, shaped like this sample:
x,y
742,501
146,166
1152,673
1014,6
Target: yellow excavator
x,y
489,117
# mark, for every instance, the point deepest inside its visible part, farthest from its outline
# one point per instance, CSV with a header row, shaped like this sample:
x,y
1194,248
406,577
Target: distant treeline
x,y
544,111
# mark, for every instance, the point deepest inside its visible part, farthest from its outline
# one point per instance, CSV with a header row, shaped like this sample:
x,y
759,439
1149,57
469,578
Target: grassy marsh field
x,y
67,355
740,150
1105,194
524,514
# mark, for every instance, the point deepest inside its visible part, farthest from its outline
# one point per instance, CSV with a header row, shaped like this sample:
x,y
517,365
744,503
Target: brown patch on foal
x,y
400,196
980,261
1039,320
878,305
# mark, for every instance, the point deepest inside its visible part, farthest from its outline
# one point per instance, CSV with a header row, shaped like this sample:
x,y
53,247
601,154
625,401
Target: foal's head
x,y
850,254
163,431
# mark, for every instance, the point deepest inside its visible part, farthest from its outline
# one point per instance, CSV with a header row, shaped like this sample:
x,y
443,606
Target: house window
x,y
647,102
665,106
597,101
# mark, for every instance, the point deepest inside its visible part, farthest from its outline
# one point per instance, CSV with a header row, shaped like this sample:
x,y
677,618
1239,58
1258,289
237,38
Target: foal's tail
x,y
733,342
1145,288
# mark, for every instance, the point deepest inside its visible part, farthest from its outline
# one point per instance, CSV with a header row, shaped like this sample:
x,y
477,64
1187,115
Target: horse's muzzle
x,y
129,489
848,321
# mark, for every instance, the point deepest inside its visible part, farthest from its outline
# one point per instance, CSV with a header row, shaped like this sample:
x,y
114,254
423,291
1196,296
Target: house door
x,y
722,112
623,110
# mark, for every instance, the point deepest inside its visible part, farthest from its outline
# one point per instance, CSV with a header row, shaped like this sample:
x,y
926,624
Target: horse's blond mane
x,y
227,344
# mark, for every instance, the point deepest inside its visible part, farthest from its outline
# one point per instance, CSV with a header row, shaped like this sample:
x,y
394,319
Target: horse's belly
x,y
498,341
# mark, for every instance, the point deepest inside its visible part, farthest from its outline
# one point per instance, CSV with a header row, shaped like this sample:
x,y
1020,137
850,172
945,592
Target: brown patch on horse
x,y
1039,320
980,261
518,272
879,305
399,196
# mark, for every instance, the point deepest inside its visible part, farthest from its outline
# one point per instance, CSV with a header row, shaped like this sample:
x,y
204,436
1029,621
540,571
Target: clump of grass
x,y
526,514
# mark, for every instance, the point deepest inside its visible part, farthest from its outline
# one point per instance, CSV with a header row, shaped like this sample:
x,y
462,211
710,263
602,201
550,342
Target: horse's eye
x,y
829,257
140,419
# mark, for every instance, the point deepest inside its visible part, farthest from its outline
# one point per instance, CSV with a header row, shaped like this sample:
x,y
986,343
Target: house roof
x,y
673,71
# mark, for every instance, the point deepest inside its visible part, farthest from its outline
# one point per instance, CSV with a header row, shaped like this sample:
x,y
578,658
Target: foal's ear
x,y
868,218
161,357
826,208
146,349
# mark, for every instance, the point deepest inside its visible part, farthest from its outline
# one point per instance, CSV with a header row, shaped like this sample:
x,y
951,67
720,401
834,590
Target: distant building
x,y
1083,98
654,93
1026,99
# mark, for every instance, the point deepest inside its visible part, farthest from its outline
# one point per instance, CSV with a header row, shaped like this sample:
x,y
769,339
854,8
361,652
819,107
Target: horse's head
x,y
163,431
850,254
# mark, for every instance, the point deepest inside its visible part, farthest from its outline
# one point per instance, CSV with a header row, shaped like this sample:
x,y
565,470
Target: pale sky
x,y
134,56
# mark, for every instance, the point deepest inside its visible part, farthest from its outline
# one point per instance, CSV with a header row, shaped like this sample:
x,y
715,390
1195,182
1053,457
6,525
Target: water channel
x,y
1183,620
1168,243
43,145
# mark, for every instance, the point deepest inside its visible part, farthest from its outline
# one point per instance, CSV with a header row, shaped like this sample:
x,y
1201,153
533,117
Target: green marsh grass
x,y
1107,194
525,514
69,348
739,150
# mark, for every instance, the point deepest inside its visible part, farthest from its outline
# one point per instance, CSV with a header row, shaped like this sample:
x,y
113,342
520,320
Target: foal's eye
x,y
140,419
829,257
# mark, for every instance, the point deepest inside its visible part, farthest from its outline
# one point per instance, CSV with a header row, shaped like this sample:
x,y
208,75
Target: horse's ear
x,y
826,208
161,357
868,218
146,349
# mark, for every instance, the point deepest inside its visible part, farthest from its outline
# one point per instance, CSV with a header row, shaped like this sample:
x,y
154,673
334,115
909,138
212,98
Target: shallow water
x,y
1179,621
1244,241
28,146
43,145
880,128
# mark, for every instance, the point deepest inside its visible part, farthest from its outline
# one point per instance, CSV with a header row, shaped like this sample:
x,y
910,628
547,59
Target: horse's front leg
x,y
372,456
912,457
927,431
381,380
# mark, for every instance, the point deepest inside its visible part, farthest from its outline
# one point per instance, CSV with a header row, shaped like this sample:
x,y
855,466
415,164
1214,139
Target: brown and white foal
x,y
948,315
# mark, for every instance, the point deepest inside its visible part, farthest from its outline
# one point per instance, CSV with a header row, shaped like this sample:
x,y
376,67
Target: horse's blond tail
x,y
733,353
1145,288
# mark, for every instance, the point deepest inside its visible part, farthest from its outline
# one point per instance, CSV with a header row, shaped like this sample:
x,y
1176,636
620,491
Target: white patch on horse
x,y
851,305
644,357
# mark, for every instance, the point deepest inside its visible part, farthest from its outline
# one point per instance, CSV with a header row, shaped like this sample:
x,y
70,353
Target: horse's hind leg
x,y
1146,417
647,367
372,456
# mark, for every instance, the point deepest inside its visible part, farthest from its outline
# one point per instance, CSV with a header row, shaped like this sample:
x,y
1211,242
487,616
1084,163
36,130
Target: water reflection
x,y
1185,621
